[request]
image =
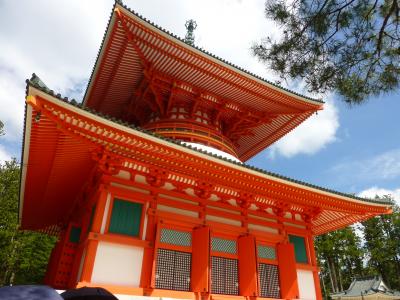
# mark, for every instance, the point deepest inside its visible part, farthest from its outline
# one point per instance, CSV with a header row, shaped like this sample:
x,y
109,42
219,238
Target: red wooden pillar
x,y
314,263
200,259
148,254
86,215
52,266
61,261
287,271
247,266
91,248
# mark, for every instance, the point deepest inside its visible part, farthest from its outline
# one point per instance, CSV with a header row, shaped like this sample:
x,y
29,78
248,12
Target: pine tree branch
x,y
384,23
341,8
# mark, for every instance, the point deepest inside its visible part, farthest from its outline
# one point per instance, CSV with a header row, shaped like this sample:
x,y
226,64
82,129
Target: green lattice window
x,y
299,248
223,245
175,237
126,217
75,234
267,252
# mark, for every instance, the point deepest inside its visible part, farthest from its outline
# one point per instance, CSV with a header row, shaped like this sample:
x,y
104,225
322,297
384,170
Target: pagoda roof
x,y
55,152
366,286
133,47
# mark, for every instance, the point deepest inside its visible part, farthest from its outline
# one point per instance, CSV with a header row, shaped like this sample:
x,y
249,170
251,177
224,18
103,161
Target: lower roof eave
x,y
172,146
205,155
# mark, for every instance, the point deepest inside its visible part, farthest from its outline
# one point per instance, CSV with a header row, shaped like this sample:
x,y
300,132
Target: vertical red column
x,y
62,260
287,271
91,248
314,263
85,217
247,266
148,254
53,264
200,259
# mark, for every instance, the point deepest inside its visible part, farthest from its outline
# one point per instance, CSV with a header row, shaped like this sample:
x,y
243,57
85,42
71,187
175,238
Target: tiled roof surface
x,y
193,46
365,286
38,84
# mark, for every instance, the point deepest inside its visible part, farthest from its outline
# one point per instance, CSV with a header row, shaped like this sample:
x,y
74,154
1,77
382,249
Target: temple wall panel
x,y
123,175
306,285
178,211
223,220
117,264
106,212
263,228
127,256
80,268
179,199
294,225
130,188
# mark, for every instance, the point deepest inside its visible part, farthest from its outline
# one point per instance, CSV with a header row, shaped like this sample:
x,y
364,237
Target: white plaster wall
x,y
165,196
105,215
294,225
263,228
178,211
223,220
226,210
123,174
78,277
146,207
117,264
131,188
306,285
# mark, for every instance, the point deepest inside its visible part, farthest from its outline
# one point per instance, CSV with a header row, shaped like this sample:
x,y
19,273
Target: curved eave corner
x,y
57,99
118,5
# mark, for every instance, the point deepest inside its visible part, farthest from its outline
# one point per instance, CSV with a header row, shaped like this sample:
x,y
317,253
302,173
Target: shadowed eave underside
x,y
133,47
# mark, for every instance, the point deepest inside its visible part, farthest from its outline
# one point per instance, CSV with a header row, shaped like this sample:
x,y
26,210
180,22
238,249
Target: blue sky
x,y
354,150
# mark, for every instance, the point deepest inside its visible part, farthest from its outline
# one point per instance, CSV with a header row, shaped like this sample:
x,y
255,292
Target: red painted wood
x,y
248,281
200,259
287,271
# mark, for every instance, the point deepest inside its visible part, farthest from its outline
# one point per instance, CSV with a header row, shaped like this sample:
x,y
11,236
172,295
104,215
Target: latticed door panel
x,y
224,276
269,281
183,262
173,270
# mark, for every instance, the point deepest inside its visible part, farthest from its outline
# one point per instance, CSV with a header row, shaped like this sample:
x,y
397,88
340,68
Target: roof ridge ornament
x,y
190,25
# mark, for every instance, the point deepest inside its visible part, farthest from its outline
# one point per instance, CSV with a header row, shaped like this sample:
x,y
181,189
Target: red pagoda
x,y
145,185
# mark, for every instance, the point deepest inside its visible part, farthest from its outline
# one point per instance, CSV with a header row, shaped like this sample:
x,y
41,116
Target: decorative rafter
x,y
127,149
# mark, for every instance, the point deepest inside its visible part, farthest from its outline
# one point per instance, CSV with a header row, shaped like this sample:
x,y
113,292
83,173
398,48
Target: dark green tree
x,y
340,257
382,244
349,46
23,254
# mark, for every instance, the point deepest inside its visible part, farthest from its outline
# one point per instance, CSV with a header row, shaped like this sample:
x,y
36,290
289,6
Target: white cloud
x,y
376,191
383,166
4,155
59,41
311,136
226,28
12,104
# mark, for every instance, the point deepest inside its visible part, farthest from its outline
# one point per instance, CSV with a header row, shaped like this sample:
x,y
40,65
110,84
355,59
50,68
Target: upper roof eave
x,y
119,5
245,167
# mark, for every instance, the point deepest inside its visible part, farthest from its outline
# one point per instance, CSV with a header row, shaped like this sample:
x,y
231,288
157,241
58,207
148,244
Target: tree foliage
x,y
340,256
369,248
23,254
382,243
350,46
